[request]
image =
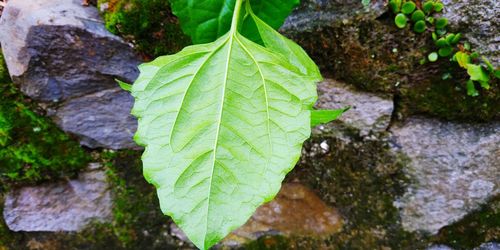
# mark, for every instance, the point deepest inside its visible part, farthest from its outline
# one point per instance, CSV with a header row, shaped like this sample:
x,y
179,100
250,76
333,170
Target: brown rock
x,y
296,211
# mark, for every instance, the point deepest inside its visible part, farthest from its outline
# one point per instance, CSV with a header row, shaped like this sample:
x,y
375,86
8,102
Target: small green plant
x,y
448,45
223,121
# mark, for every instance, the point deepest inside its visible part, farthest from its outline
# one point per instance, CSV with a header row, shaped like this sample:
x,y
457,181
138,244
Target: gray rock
x,y
313,14
60,49
64,206
100,120
439,247
455,168
369,113
489,246
60,52
479,22
364,48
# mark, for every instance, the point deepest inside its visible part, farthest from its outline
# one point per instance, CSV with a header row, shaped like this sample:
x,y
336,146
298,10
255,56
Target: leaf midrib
x,y
216,143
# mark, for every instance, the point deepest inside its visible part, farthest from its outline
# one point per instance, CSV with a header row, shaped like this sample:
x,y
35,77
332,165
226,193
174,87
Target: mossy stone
x,y
32,148
149,24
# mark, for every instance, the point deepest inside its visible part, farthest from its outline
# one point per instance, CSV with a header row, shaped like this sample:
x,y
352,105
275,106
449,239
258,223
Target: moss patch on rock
x,y
137,220
32,148
362,179
374,55
149,24
473,230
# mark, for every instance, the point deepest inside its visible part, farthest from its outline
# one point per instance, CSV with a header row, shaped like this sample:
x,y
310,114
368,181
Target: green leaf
x,y
222,124
477,73
401,20
430,20
434,36
457,38
497,73
445,52
441,32
365,3
286,47
428,7
408,7
325,116
463,59
125,86
433,57
471,89
417,16
485,85
467,46
438,7
441,23
488,64
205,21
449,38
420,26
395,6
441,42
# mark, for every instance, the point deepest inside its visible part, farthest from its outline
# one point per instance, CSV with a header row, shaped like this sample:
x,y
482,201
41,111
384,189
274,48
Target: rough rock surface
x,y
479,21
65,206
489,246
355,43
455,168
296,211
100,119
369,113
439,247
364,48
60,53
59,49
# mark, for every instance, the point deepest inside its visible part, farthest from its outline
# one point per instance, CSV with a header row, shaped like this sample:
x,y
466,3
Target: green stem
x,y
236,16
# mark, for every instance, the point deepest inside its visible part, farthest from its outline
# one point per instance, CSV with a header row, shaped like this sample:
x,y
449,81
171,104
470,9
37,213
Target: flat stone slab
x,y
59,49
101,119
64,206
369,113
454,169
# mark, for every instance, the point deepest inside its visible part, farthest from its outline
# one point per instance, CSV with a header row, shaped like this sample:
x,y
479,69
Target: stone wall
x,y
414,164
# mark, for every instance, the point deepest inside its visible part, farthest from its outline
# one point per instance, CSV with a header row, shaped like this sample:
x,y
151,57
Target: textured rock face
x,y
369,113
296,211
489,246
479,21
58,49
364,48
60,53
100,119
454,167
65,206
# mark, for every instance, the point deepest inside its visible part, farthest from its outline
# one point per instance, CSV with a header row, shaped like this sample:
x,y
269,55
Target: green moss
x,y
149,24
362,179
138,221
428,93
4,74
32,148
475,229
